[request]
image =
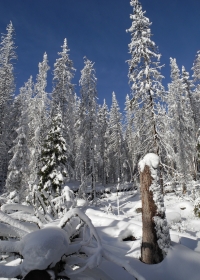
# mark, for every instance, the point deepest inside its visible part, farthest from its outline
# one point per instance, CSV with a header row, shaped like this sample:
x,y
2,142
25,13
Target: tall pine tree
x,y
53,161
7,87
63,94
88,124
145,79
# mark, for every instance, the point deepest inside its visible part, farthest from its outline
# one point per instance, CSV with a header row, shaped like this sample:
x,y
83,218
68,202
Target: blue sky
x,y
97,29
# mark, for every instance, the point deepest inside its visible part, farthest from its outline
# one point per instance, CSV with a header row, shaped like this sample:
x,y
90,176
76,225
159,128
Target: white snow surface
x,y
182,262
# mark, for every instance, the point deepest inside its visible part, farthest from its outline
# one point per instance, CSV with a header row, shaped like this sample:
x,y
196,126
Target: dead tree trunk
x,y
38,275
150,251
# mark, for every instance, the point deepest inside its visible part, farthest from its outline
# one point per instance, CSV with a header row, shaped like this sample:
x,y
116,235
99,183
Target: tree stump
x,y
37,275
150,251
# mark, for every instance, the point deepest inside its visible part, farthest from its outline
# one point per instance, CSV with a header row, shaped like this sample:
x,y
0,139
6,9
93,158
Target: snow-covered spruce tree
x,y
20,129
28,91
18,169
63,94
88,125
77,141
39,117
7,87
192,135
195,103
42,99
53,163
115,141
182,126
155,237
103,163
18,165
130,146
145,79
195,96
167,154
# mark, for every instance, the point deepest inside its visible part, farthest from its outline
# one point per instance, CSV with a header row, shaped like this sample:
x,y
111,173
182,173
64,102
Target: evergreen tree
x,y
130,145
115,141
18,165
145,79
18,168
39,117
195,96
42,100
28,90
103,163
63,94
53,162
181,124
88,124
195,103
7,87
190,126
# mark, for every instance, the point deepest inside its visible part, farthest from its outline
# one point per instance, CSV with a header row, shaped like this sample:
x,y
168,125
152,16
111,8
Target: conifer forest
x,y
92,192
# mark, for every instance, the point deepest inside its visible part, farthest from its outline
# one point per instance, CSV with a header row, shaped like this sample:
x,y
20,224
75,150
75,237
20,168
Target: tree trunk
x,y
37,275
150,251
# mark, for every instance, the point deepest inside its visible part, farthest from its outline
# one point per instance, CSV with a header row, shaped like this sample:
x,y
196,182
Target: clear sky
x,y
97,29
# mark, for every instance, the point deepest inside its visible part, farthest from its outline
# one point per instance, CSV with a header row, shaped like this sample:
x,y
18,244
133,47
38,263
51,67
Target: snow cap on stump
x,y
151,159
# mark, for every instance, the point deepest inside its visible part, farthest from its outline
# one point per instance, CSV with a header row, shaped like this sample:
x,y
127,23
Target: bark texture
x,y
150,251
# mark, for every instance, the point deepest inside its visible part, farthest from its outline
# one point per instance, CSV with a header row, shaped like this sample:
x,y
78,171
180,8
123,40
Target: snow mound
x,y
173,217
43,248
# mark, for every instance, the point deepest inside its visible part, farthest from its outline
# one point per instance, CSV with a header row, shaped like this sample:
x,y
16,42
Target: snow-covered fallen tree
x,y
74,241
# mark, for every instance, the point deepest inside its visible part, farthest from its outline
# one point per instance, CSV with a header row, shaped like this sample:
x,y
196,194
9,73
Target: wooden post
x,y
150,251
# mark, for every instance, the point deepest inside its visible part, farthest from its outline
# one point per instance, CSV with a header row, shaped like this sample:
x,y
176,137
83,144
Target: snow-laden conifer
x,y
195,103
40,117
130,146
182,125
41,97
195,97
190,126
63,90
7,87
18,169
103,162
115,141
18,165
145,79
63,94
53,161
88,124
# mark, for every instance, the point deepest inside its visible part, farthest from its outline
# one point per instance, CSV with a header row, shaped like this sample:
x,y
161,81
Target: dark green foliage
x,y
53,158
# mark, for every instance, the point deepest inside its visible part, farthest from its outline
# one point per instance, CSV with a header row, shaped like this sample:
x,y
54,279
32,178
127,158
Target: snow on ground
x,y
183,258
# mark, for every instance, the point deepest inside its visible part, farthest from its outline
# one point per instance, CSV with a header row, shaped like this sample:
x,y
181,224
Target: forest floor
x,y
114,224
118,216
